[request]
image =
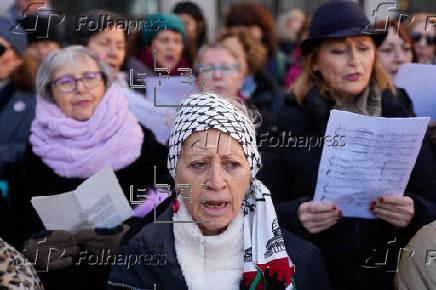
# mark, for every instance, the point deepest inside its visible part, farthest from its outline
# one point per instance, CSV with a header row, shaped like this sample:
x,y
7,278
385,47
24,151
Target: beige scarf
x,y
366,103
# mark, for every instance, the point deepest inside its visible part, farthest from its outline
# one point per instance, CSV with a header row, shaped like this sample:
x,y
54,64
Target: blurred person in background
x,y
289,28
218,69
167,36
43,36
258,89
164,34
110,46
21,7
17,95
343,71
397,49
195,24
254,17
82,124
423,33
296,63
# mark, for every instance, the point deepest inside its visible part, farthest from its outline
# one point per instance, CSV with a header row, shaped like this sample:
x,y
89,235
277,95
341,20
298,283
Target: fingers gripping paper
x,y
377,158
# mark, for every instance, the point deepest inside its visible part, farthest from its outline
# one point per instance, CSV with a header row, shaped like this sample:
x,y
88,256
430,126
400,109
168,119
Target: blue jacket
x,y
17,110
159,266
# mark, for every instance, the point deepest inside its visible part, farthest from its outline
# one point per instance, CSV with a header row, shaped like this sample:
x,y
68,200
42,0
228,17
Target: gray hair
x,y
205,48
67,56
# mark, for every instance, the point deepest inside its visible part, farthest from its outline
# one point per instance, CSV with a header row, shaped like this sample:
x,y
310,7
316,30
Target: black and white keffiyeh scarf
x,y
263,241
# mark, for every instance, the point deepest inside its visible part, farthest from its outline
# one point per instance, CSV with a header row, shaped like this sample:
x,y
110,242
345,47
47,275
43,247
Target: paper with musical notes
x,y
377,159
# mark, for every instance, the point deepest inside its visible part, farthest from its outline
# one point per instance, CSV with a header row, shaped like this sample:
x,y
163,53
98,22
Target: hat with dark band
x,y
338,19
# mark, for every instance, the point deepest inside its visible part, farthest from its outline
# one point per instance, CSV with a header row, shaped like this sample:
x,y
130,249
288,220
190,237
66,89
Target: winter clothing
x,y
13,34
16,273
156,23
291,174
156,243
209,262
76,149
17,110
417,265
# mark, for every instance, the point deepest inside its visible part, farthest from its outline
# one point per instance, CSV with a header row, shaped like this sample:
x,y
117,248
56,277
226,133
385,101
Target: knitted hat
x,y
13,34
161,22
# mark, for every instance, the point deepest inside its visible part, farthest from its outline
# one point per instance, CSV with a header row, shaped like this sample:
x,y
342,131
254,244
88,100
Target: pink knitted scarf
x,y
75,149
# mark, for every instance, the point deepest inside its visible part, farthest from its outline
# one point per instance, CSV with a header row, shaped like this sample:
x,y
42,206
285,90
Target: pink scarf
x,y
75,149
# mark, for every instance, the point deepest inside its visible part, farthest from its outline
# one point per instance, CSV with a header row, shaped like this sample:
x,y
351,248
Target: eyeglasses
x,y
68,84
3,49
226,69
418,35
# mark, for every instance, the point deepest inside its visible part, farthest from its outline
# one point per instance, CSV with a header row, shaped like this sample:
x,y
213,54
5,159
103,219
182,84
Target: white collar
x,y
208,261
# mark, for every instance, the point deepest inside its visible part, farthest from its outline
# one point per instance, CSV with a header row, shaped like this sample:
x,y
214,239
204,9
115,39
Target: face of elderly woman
x,y
80,103
224,172
346,64
169,48
9,60
219,71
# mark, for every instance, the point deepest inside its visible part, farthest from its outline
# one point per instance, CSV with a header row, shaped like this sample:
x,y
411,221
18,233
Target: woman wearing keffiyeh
x,y
222,230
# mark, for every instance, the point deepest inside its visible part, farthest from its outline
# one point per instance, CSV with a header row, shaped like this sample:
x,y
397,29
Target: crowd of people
x,y
156,104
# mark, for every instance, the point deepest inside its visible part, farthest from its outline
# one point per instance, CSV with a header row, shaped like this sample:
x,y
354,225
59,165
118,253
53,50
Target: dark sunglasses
x,y
418,35
3,49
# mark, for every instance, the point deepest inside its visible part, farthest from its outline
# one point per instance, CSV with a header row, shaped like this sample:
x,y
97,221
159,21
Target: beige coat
x,y
417,266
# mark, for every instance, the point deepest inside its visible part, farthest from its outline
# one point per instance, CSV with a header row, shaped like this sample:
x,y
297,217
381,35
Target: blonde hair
x,y
309,78
255,54
283,31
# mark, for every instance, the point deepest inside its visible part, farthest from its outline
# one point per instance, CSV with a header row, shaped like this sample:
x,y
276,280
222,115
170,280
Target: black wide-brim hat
x,y
338,19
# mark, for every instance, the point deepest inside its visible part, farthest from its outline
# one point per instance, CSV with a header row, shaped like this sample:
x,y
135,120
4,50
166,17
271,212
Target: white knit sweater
x,y
209,262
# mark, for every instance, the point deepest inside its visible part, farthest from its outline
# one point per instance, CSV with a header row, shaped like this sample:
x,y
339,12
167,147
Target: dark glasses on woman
x,y
418,35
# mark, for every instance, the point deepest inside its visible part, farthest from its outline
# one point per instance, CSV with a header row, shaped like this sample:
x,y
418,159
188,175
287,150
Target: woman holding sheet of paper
x,y
343,72
82,125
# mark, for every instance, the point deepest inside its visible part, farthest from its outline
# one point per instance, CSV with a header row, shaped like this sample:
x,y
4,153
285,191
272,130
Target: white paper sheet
x,y
419,80
377,159
97,202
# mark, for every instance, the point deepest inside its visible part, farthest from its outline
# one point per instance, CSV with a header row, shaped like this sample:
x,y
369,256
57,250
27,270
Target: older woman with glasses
x,y
82,125
221,232
218,70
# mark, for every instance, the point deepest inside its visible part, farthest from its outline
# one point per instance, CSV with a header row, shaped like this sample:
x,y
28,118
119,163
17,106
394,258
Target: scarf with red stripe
x,y
264,247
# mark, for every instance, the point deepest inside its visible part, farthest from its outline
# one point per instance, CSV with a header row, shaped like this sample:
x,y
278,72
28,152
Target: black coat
x,y
353,245
32,177
156,241
268,97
